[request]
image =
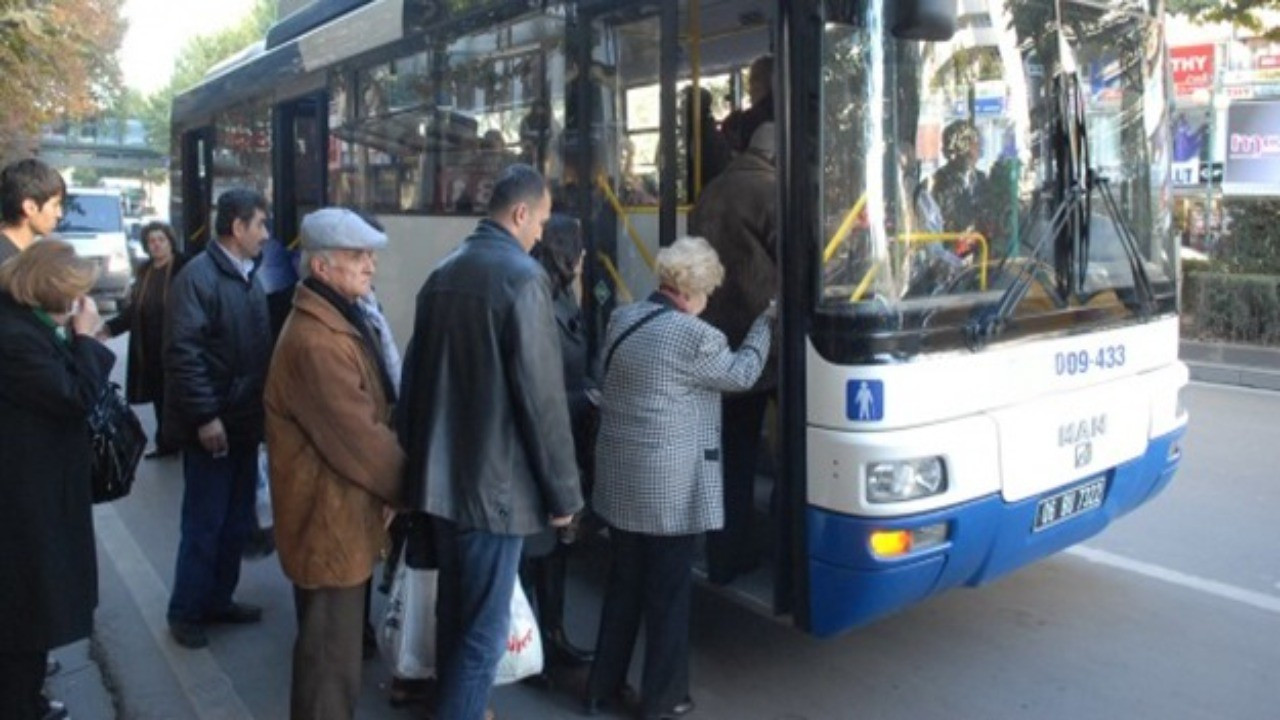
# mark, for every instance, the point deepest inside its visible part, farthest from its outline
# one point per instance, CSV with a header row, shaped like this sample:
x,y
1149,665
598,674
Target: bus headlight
x,y
901,480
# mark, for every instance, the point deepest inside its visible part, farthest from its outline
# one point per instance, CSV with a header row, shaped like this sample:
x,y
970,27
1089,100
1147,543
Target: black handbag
x,y
118,443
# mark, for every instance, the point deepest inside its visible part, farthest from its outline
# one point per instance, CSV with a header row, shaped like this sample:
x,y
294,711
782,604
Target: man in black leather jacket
x,y
217,345
486,426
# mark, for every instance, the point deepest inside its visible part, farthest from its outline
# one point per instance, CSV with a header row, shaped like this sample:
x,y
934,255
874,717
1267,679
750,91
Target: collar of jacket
x,y
309,301
657,297
487,229
222,259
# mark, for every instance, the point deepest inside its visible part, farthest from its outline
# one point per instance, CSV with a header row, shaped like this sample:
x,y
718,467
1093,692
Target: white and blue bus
x,y
978,279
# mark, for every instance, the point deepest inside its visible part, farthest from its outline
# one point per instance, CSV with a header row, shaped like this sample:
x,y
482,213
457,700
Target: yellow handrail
x,y
654,209
843,231
915,238
624,293
626,221
199,231
866,283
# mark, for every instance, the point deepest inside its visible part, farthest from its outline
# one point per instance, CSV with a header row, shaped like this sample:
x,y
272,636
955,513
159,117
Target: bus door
x,y
665,74
300,159
192,214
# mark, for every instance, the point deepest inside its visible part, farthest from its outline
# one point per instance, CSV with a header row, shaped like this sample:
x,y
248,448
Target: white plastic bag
x,y
523,657
407,633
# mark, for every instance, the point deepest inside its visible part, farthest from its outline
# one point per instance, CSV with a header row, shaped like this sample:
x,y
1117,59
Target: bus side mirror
x,y
923,19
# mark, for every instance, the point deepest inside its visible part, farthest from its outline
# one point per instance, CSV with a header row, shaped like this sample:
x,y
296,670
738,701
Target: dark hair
x,y
157,226
560,248
237,204
27,179
518,183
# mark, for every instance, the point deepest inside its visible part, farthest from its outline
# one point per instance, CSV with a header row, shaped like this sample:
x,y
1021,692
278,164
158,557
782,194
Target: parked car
x,y
93,222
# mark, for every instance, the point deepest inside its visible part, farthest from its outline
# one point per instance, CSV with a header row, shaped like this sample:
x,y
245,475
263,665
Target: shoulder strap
x,y
608,358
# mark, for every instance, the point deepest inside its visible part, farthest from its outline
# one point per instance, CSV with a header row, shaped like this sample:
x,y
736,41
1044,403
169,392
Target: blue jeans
x,y
473,614
217,517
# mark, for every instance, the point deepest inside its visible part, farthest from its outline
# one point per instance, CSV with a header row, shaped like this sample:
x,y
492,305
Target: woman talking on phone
x,y
52,370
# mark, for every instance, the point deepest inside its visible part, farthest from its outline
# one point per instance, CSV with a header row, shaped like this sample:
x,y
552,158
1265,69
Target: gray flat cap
x,y
339,229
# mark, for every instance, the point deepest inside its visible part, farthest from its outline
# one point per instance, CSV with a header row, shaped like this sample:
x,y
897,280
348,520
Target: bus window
x,y
242,150
430,131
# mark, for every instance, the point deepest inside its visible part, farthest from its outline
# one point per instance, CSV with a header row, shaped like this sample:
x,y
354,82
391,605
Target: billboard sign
x,y
1253,149
1192,67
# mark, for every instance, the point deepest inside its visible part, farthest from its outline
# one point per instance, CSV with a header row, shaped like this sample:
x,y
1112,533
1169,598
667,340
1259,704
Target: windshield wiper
x,y
990,324
1141,280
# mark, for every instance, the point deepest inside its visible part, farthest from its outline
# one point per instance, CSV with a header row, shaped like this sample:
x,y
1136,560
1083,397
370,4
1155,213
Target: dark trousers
x,y
544,582
327,653
650,579
217,517
473,614
21,683
734,549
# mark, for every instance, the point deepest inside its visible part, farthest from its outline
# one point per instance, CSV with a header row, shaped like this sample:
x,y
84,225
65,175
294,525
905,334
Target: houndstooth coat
x,y
658,468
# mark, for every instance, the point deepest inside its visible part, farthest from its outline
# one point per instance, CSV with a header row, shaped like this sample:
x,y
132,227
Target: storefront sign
x,y
1192,67
1253,149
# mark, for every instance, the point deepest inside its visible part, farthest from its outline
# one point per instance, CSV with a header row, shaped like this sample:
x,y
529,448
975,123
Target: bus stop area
x,y
1006,648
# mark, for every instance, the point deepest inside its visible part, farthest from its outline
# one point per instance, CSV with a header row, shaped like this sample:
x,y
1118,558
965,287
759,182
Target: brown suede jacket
x,y
335,461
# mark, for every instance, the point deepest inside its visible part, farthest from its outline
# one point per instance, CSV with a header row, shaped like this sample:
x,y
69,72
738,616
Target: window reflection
x,y
430,131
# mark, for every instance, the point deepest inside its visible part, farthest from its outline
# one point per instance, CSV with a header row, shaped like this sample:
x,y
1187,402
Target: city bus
x,y
977,279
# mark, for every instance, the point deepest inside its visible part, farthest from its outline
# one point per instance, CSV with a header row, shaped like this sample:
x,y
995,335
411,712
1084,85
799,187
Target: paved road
x,y
1173,613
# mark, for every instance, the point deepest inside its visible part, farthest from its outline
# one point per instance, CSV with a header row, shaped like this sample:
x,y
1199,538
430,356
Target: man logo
x,y
1084,454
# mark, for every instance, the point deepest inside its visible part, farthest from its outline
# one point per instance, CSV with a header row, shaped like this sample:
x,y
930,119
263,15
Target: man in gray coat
x,y
485,423
737,214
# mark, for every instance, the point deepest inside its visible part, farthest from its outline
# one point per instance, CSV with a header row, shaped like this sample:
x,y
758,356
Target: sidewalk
x,y
1226,364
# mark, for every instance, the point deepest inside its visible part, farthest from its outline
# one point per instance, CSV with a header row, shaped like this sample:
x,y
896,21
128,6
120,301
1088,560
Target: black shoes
x,y
624,698
236,614
189,635
682,708
561,652
192,635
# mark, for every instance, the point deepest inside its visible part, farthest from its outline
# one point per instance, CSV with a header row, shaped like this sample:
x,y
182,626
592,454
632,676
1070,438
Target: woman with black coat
x,y
544,568
52,370
143,319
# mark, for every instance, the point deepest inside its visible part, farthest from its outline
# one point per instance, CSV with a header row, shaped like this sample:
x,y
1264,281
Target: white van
x,y
93,222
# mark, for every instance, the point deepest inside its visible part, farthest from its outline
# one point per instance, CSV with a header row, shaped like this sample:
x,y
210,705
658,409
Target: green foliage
x,y
1235,308
1243,14
1252,243
57,61
195,59
85,177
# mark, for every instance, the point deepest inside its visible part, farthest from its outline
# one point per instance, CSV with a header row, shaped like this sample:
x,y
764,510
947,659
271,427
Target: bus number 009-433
x,y
1080,362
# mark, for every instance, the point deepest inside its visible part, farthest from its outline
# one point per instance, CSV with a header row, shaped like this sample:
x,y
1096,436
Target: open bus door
x,y
193,215
300,163
637,68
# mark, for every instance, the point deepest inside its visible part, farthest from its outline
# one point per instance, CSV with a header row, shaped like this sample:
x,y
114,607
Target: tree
x,y
194,60
1244,14
57,60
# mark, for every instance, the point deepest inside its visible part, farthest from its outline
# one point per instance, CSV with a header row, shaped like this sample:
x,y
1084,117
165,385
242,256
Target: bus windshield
x,y
942,166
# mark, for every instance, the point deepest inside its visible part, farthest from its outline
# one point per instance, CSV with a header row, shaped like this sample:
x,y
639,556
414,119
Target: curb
x,y
1234,375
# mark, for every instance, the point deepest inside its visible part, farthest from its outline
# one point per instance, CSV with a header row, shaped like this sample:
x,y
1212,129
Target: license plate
x,y
1067,504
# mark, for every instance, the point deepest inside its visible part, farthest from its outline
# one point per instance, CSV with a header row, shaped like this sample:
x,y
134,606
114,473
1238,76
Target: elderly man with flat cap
x,y
335,461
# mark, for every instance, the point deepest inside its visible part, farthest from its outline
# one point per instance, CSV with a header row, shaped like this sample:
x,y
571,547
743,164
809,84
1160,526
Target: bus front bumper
x,y
986,538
